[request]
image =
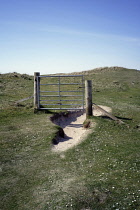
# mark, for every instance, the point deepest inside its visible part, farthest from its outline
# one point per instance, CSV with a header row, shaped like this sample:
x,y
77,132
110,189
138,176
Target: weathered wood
x,y
88,97
107,114
36,89
24,99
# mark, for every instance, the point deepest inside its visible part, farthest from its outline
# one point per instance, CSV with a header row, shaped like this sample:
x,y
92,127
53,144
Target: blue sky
x,y
56,36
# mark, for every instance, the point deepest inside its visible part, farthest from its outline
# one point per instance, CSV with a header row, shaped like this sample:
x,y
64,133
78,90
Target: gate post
x,y
36,89
88,95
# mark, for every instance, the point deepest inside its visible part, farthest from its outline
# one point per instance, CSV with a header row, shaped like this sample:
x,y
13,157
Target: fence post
x,y
88,95
36,89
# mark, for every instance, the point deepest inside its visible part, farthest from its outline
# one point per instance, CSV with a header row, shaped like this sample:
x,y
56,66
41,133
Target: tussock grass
x,y
100,173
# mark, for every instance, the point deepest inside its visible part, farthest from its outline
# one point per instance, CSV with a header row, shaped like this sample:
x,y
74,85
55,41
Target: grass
x,y
100,173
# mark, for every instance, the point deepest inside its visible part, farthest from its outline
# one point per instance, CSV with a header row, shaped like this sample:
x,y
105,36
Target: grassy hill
x,y
100,173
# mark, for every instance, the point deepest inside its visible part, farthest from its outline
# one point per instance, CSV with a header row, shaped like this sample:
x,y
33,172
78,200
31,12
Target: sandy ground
x,y
74,130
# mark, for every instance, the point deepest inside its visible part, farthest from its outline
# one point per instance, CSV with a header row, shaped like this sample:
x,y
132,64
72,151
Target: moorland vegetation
x,y
100,173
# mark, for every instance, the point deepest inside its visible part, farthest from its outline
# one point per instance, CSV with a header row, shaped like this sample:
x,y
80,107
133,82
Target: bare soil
x,y
74,132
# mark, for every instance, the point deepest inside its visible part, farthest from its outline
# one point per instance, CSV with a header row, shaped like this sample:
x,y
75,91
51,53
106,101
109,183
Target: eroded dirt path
x,y
74,130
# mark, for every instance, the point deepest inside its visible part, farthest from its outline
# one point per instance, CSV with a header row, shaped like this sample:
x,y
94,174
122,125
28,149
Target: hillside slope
x,y
100,173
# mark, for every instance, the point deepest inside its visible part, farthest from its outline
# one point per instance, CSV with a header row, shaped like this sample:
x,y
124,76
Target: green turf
x,y
100,173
